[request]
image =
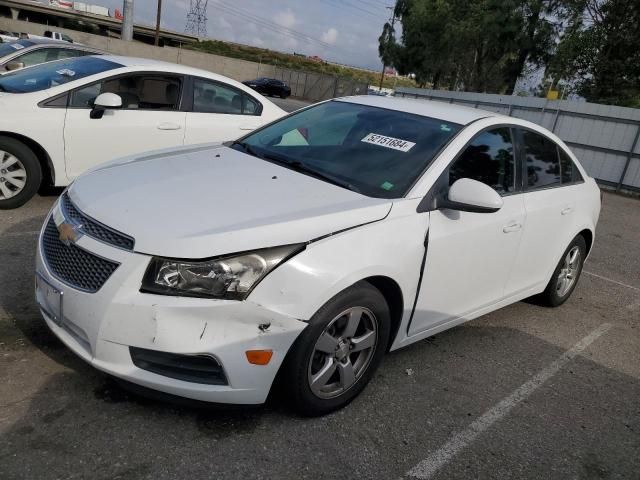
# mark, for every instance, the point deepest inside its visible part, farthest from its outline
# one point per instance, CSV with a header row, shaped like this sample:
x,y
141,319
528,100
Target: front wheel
x,y
20,173
565,276
335,357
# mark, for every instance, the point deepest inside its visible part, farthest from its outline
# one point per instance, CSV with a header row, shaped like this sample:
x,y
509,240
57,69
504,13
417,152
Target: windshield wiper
x,y
298,166
247,148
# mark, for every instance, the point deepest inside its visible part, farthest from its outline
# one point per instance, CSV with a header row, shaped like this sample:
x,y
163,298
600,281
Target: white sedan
x,y
61,118
311,247
27,52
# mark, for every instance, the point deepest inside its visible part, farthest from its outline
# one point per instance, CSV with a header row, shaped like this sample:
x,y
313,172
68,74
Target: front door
x,y
150,119
470,255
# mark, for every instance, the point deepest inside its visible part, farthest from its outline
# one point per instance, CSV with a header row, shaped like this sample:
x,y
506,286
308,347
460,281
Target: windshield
x,y
374,151
13,47
52,74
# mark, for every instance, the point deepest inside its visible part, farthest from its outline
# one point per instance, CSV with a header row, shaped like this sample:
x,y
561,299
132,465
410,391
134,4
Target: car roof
x,y
47,41
440,110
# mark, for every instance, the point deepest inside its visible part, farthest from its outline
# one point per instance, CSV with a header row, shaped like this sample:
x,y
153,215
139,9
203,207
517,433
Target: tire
x,y
327,345
558,292
20,173
283,96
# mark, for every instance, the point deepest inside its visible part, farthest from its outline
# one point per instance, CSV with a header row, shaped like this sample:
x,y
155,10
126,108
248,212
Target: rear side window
x,y
568,170
215,97
488,159
542,162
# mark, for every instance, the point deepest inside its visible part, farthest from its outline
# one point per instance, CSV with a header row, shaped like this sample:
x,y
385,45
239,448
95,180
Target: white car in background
x,y
8,36
311,247
61,118
29,52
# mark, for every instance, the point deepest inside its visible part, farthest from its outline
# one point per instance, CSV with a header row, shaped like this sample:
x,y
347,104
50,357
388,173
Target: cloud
x,y
285,18
330,36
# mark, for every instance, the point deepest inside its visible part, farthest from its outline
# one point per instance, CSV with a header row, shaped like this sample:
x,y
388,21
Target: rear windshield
x,y
13,47
373,151
52,74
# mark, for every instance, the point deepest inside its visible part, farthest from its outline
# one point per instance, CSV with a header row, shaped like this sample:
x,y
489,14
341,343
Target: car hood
x,y
206,201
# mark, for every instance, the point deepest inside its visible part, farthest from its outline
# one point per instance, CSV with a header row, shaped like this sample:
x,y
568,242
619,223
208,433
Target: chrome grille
x,y
95,229
73,265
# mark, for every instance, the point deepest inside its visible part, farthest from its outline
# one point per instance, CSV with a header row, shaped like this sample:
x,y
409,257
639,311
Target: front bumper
x,y
101,327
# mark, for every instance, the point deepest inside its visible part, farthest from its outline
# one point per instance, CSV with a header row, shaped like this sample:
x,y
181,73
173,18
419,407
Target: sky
x,y
342,31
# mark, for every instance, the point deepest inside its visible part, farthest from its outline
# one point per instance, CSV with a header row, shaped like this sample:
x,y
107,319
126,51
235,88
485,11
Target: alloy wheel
x,y
343,352
569,271
13,176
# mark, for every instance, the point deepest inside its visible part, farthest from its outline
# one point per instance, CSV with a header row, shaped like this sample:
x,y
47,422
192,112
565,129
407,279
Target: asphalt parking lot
x,y
525,392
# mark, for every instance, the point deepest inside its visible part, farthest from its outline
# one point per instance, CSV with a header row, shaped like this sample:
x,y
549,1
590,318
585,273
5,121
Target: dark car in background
x,y
269,86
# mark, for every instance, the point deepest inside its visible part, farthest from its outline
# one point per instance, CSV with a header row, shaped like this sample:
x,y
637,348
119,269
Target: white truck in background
x,y
58,36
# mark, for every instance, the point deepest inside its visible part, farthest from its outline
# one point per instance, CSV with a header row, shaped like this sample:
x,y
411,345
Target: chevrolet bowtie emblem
x,y
69,233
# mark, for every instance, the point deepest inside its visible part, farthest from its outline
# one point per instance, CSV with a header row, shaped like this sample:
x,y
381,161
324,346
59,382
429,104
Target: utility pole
x,y
158,16
393,21
127,21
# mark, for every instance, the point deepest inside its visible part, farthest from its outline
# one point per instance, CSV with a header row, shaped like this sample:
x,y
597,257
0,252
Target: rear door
x,y
219,112
549,199
470,255
150,118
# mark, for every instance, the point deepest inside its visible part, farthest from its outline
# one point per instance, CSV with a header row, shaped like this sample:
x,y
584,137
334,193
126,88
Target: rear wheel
x,y
566,275
334,358
20,173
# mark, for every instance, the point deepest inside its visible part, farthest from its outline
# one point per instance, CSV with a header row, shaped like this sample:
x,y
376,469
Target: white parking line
x,y
426,468
611,280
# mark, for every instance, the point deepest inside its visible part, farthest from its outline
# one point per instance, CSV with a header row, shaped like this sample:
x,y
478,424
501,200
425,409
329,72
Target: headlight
x,y
231,277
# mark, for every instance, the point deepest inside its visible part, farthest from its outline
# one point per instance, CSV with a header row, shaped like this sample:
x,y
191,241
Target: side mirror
x,y
14,66
105,101
469,195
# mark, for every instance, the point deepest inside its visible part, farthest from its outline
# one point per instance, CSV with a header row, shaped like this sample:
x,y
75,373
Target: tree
x,y
600,51
478,44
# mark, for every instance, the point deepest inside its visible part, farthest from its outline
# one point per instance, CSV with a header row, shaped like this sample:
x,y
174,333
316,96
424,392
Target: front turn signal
x,y
259,357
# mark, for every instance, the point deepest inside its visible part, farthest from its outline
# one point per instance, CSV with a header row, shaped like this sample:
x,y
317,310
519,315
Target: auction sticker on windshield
x,y
17,46
388,142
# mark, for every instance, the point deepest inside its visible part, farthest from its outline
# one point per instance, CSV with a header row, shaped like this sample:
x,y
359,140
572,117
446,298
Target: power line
x,y
277,28
344,3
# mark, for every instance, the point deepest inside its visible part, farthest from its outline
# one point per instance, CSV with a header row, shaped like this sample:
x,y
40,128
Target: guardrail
x,y
605,138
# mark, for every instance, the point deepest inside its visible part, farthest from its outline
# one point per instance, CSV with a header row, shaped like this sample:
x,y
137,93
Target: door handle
x,y
168,126
566,211
512,227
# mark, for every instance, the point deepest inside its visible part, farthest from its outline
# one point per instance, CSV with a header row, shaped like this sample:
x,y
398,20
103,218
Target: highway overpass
x,y
98,24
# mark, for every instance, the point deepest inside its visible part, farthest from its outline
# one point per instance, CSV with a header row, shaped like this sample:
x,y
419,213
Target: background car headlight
x,y
231,277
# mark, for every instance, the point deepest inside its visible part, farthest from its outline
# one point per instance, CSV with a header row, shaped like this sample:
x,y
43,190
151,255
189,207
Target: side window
x,y
69,53
250,106
543,165
138,92
568,170
488,159
34,58
214,97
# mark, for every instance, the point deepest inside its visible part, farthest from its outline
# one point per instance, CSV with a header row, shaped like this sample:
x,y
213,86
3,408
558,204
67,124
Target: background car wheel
x,y
565,276
20,173
283,96
334,358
